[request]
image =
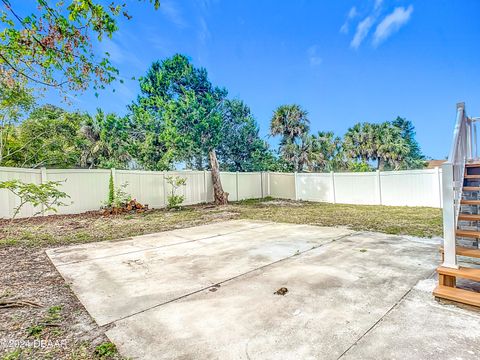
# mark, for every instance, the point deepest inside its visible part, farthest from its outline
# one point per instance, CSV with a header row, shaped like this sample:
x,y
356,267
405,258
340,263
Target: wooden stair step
x,y
464,251
468,233
461,272
472,176
471,188
456,294
469,217
469,202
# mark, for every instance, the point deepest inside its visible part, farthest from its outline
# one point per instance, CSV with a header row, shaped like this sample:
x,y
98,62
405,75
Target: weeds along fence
x,y
88,189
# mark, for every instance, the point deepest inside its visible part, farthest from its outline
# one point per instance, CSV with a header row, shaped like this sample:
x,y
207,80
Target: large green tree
x,y
15,101
49,43
240,147
105,141
415,158
49,137
187,111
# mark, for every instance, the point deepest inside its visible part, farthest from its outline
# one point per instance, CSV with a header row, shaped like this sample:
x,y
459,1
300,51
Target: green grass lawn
x,y
400,220
60,230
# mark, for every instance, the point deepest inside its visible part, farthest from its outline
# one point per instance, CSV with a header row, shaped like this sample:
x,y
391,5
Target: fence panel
x,y
194,191
229,184
88,189
356,188
315,187
8,201
145,186
250,185
282,185
411,188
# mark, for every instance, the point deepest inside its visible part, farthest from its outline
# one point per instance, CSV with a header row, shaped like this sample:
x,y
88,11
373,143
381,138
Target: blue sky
x,y
343,61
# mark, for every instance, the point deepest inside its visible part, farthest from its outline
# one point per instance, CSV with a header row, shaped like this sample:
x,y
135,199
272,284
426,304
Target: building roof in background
x,y
432,164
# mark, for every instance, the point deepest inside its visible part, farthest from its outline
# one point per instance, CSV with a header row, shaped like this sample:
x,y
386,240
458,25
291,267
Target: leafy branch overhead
x,y
52,47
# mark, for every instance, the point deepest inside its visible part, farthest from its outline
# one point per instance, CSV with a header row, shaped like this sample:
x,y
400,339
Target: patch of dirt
x,y
61,322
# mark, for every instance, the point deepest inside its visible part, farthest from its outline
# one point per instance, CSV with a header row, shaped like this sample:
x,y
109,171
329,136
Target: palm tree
x,y
361,142
325,153
393,148
292,124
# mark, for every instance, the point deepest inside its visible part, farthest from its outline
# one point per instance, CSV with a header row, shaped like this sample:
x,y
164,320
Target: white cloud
x,y
352,13
313,58
391,24
363,28
173,13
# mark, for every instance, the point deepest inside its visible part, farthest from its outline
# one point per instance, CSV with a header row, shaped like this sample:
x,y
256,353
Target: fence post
x,y
332,186
269,191
205,189
261,184
164,189
236,183
295,184
43,180
379,188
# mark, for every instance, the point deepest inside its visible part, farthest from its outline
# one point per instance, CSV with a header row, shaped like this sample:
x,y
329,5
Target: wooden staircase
x,y
468,234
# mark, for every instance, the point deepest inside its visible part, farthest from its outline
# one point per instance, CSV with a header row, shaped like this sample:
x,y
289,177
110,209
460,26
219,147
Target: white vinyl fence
x,y
88,189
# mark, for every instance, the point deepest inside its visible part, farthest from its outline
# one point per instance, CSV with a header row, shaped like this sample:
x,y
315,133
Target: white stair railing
x,y
464,150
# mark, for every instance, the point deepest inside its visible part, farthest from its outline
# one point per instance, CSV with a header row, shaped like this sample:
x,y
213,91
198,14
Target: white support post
x,y
295,184
332,186
205,188
43,180
449,221
438,185
236,182
379,188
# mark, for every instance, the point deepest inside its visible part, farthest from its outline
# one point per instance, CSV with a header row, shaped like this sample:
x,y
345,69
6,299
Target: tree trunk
x,y
220,196
381,164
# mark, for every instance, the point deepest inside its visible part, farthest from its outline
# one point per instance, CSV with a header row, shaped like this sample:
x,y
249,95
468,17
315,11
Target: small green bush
x,y
174,200
45,195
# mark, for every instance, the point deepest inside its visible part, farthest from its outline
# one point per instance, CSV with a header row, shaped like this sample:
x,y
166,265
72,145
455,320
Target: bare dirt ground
x,y
54,324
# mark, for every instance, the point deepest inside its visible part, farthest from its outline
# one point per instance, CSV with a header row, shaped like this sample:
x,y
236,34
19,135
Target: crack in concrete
x,y
395,305
295,255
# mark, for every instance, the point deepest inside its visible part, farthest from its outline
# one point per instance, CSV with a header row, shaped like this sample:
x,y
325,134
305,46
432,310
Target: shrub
x,y
117,196
174,200
111,190
45,195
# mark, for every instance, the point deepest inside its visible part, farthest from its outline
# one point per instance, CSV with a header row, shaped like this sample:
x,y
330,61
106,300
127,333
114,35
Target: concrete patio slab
x,y
336,293
349,294
148,271
422,328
